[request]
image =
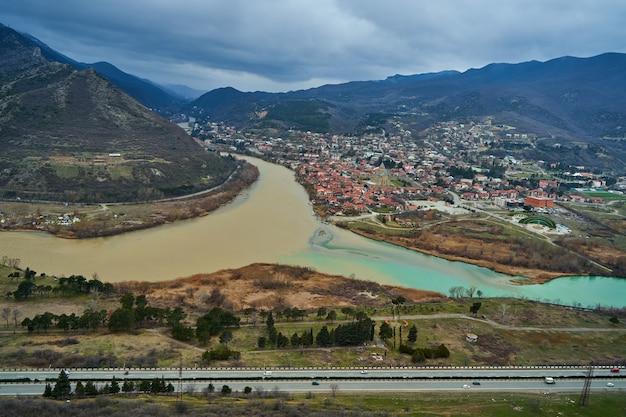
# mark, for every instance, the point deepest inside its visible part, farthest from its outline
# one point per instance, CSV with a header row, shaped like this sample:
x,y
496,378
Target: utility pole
x,y
180,381
584,396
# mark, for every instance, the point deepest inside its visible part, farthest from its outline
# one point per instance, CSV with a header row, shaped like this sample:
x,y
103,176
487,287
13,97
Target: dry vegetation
x,y
271,287
490,245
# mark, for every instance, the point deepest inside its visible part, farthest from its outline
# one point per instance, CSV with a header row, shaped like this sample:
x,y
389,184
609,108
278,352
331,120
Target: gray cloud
x,y
278,45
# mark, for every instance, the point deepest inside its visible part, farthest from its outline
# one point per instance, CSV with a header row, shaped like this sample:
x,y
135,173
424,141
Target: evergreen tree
x,y
145,386
323,337
90,389
412,334
79,391
115,386
281,340
128,386
47,392
122,320
62,389
385,331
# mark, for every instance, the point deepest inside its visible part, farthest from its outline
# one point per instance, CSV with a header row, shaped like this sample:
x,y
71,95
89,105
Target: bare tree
x,y
334,388
470,291
6,313
16,314
504,308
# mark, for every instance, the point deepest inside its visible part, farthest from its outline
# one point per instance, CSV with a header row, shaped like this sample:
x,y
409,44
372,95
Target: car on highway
x,y
476,383
364,372
315,383
465,386
267,373
615,370
610,384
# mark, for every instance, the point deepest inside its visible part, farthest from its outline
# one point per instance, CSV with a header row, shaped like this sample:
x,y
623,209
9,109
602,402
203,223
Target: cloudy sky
x,y
282,45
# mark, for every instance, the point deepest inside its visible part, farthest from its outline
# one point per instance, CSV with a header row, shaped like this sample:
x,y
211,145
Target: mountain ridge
x,y
70,135
571,101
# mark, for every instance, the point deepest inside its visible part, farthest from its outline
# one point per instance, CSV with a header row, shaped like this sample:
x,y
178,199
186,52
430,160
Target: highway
x,y
32,382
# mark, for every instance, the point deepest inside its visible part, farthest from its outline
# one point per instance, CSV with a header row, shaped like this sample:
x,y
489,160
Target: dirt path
x,y
504,326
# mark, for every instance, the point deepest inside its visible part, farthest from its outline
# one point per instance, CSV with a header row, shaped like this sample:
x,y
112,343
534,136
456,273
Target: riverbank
x,y
95,221
473,241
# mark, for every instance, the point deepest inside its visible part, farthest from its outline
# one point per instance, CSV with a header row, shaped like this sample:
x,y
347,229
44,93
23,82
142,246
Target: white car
x,y
610,384
364,371
466,386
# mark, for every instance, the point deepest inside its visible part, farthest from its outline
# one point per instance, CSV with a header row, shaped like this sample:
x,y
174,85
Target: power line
x,y
584,396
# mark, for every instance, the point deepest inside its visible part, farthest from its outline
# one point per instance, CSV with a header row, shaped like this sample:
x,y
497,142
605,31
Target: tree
x,y
122,320
127,300
475,307
24,290
348,311
16,314
226,390
281,340
62,389
226,337
141,302
321,312
79,390
182,333
295,339
323,337
175,316
385,332
331,316
128,386
212,323
397,302
47,392
115,386
470,291
6,314
412,337
261,342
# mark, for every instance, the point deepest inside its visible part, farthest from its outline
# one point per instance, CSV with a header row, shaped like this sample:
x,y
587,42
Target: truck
x,y
549,380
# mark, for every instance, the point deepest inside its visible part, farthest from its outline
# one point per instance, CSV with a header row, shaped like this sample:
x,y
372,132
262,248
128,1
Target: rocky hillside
x,y
68,135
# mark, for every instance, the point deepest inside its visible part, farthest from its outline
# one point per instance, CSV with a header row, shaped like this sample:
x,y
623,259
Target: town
x,y
395,173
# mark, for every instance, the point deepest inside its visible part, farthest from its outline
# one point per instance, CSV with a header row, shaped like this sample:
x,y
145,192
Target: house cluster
x,y
351,175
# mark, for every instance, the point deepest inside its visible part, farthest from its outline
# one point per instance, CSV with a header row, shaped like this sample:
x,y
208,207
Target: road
x,y
300,380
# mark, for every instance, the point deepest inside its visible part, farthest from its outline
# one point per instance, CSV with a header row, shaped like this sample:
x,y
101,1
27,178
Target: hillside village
x,y
451,161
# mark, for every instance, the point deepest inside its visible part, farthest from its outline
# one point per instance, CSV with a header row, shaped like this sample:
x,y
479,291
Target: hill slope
x,y
69,135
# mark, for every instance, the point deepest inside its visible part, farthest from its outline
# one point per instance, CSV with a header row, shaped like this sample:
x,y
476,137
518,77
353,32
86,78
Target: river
x,y
272,222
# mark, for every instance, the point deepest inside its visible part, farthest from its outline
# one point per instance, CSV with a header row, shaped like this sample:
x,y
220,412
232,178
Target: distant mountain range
x,y
70,135
574,104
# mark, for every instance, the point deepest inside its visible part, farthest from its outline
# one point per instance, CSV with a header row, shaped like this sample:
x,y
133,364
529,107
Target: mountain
x,y
70,135
575,103
151,95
